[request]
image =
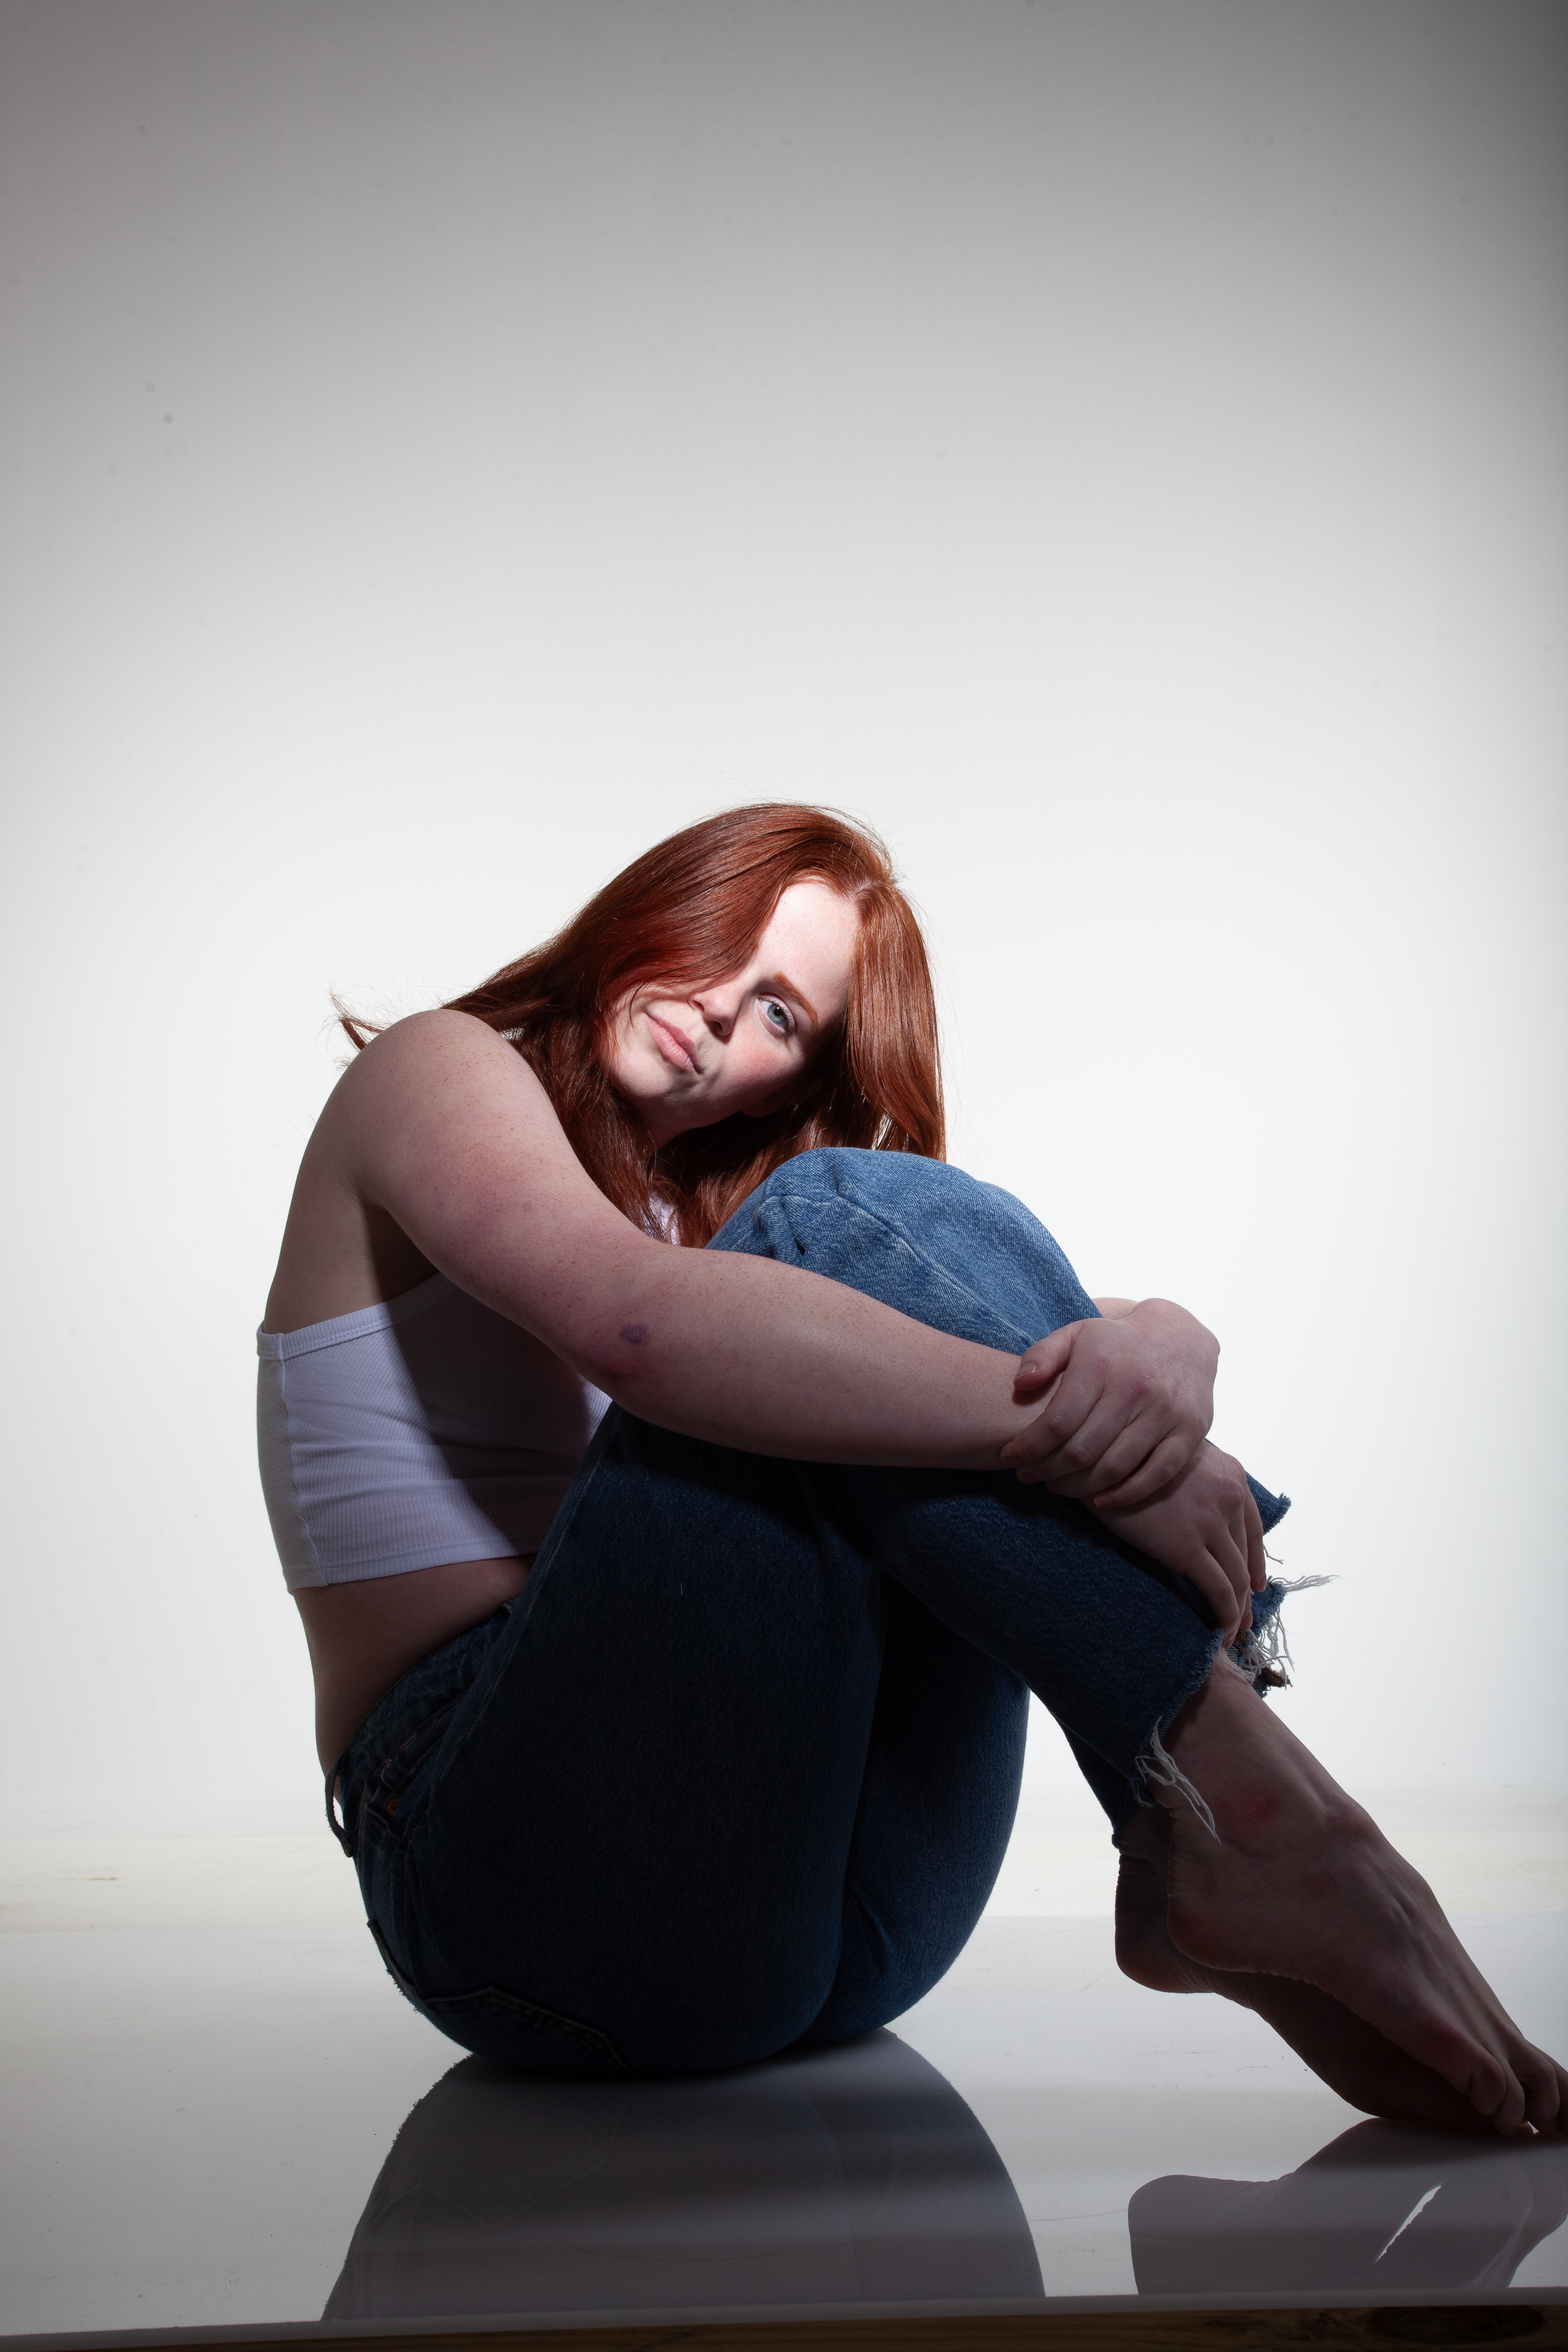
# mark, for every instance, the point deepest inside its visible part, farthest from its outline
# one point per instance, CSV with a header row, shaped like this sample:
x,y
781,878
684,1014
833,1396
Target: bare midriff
x,y
365,1637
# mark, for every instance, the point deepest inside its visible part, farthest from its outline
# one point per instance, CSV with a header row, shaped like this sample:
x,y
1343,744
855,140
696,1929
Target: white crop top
x,y
405,1435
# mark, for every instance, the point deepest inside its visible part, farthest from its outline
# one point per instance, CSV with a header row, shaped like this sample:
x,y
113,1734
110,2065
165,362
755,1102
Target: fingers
x,y
1198,1524
1098,1448
1257,1558
1236,1603
1102,1440
1216,1563
1116,1407
1242,1546
1047,1358
1068,1391
1168,1460
1068,1436
1245,1589
1218,1589
1230,1596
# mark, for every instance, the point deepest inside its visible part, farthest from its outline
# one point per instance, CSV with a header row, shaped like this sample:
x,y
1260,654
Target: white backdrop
x,y
1115,446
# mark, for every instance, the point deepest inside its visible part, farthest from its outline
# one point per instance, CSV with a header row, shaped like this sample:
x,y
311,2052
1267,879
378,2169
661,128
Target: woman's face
x,y
690,1056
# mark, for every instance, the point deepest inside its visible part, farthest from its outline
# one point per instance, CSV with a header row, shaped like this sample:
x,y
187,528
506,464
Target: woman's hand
x,y
1128,1401
1204,1525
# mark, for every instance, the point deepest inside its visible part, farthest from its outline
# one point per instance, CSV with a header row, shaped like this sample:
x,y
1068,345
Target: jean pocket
x,y
511,2031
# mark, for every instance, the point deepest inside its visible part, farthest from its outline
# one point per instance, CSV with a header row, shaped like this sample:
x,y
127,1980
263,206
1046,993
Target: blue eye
x,y
777,1015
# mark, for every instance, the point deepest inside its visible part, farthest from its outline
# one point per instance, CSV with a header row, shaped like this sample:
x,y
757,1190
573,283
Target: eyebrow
x,y
787,987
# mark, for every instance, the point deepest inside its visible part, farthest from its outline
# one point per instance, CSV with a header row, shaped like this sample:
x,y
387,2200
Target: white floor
x,y
208,2068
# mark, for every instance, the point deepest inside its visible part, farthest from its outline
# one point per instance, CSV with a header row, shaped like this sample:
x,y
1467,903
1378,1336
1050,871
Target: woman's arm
x,y
440,1125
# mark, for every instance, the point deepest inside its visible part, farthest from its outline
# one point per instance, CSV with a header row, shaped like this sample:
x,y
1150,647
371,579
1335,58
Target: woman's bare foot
x,y
1301,1886
1351,2057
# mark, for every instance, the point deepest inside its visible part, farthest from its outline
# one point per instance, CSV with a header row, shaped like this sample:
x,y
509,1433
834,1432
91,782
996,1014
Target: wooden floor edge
x,y
1537,2322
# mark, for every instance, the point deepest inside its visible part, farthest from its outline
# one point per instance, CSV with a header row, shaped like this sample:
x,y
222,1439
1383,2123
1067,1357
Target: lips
x,y
671,1043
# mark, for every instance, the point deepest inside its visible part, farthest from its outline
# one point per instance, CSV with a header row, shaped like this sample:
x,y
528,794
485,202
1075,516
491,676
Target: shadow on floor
x,y
858,2176
854,2175
1384,2207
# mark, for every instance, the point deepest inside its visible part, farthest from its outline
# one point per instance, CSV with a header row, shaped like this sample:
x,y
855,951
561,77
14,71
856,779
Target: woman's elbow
x,y
628,1364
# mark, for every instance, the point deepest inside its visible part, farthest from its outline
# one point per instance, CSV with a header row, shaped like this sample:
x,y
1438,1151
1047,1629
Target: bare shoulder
x,y
437,1136
432,1064
439,1109
434,1048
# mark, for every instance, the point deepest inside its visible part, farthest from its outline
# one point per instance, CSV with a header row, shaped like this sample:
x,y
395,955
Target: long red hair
x,y
692,910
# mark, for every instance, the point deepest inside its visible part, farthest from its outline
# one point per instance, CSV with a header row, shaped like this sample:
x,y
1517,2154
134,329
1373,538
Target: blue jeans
x,y
738,1768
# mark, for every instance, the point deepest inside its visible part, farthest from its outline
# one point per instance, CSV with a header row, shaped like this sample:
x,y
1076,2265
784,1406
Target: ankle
x,y
1261,1787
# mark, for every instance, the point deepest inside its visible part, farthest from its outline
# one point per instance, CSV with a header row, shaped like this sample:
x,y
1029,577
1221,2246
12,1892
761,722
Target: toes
x,y
1544,2090
1495,2091
1477,2075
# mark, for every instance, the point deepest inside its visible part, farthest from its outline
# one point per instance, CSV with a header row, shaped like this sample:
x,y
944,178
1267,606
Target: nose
x,y
718,1007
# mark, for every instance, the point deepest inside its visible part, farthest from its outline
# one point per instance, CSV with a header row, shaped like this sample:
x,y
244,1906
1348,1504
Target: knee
x,y
839,1169
934,1207
839,1202
882,1183
920,1236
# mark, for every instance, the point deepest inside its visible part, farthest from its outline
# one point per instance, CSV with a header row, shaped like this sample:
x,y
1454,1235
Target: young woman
x,y
668,1746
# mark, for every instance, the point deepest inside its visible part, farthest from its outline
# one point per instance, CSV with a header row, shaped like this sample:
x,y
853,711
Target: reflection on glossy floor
x,y
221,2125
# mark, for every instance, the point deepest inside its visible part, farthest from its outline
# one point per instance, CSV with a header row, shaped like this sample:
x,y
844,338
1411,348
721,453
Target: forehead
x,y
810,938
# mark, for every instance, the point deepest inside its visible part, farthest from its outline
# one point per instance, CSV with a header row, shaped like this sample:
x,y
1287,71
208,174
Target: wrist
x,y
1164,1315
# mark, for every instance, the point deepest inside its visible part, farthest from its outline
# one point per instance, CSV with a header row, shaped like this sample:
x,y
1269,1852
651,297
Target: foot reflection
x,y
840,2176
1384,2207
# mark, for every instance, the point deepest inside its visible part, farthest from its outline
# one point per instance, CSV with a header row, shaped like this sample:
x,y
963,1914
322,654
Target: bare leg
x,y
1303,1911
